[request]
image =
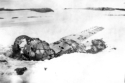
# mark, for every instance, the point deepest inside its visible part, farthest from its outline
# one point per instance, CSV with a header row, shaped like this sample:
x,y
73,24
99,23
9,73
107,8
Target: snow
x,y
106,67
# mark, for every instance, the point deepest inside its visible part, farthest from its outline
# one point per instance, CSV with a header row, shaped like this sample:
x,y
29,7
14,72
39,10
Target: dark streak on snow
x,y
45,68
14,17
114,48
99,8
3,61
116,14
1,18
32,17
40,10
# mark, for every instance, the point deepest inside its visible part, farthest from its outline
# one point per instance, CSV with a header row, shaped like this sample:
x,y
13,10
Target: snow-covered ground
x,y
105,67
80,68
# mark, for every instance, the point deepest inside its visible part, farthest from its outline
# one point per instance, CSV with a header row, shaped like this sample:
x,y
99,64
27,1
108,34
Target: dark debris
x,y
20,71
97,46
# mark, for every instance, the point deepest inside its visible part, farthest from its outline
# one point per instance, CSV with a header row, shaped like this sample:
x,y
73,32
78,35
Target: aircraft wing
x,y
84,34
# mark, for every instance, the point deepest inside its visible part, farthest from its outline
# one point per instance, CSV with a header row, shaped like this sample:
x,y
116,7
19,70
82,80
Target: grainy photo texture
x,y
62,41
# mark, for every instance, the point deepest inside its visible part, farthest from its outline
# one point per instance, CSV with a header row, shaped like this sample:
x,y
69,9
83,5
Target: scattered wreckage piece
x,y
20,71
27,48
3,61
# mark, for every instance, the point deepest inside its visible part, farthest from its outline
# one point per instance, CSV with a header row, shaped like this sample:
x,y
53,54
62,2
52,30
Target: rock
x,y
20,71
